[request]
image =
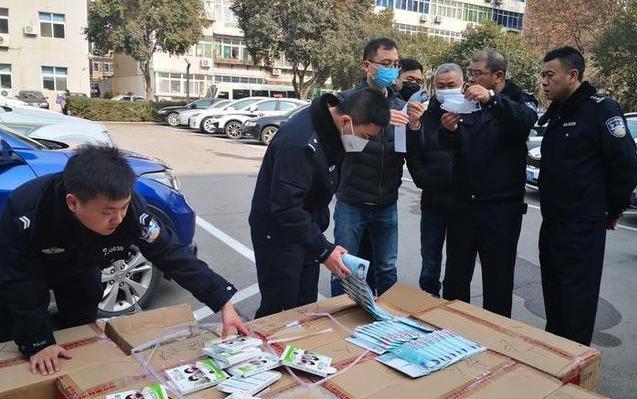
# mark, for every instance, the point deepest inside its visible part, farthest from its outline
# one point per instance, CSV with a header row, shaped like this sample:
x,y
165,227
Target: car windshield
x,y
22,138
632,126
222,104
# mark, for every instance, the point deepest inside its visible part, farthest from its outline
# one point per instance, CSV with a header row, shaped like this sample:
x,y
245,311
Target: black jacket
x,y
589,163
298,178
41,241
430,164
490,164
373,176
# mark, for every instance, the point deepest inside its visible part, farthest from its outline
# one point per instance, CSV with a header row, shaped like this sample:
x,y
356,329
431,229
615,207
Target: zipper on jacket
x,y
382,164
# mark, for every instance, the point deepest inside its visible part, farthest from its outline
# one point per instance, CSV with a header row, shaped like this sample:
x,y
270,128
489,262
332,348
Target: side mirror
x,y
6,151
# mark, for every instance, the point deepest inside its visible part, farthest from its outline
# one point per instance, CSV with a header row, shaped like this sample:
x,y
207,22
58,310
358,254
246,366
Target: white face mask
x,y
453,100
442,94
353,143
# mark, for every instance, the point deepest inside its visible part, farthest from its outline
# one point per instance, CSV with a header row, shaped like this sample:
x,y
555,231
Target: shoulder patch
x,y
25,222
616,127
150,228
598,99
312,147
531,105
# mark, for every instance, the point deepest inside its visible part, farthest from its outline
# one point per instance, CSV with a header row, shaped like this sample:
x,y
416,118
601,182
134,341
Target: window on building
x,y
508,19
176,84
4,20
477,14
220,10
108,67
231,49
5,76
419,6
96,67
447,35
52,25
54,78
446,8
410,29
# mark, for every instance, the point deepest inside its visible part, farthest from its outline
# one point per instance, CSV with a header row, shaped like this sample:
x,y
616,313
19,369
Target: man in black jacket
x,y
489,177
59,230
430,165
588,171
298,177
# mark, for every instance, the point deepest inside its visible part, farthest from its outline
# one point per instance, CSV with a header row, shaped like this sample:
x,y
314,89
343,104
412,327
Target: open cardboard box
x,y
86,345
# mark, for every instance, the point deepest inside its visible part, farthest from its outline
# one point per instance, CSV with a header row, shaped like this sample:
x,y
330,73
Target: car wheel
x,y
172,119
207,125
267,134
233,130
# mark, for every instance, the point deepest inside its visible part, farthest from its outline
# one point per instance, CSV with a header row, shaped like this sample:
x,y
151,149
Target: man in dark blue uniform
x,y
489,176
588,171
57,231
298,177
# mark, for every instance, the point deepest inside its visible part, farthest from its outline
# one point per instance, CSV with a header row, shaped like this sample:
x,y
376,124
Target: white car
x,y
231,123
42,124
184,115
207,116
11,102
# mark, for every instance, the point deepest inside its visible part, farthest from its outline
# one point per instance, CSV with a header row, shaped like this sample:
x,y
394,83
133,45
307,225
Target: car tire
x,y
172,119
233,129
267,134
206,126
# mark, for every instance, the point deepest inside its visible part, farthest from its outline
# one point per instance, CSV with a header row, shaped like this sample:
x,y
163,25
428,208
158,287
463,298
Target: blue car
x,y
22,159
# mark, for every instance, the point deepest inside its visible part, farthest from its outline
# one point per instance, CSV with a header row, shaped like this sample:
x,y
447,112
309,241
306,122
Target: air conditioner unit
x,y
206,63
276,72
30,30
438,19
423,18
4,40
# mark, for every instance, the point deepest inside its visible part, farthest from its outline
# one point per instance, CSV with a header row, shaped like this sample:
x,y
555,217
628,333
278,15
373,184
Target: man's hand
x,y
398,117
477,93
612,223
230,320
415,110
46,361
335,262
450,121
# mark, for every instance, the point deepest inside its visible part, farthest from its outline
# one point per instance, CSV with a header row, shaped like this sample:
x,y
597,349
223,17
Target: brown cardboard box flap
x,y
571,391
132,330
405,300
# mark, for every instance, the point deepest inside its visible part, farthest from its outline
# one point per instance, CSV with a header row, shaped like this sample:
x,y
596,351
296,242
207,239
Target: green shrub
x,y
97,109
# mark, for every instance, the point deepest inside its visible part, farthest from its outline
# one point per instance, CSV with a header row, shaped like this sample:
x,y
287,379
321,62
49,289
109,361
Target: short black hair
x,y
570,58
409,64
372,47
495,61
96,170
366,106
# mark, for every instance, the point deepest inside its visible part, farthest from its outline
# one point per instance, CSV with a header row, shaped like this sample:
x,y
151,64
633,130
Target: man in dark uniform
x,y
588,171
298,177
489,176
57,230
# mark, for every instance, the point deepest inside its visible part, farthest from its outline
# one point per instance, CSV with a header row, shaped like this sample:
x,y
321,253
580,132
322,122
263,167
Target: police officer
x,y
489,176
298,177
55,233
588,171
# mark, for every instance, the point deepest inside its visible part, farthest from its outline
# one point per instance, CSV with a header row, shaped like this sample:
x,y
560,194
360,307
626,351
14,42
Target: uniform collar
x,y
325,128
557,108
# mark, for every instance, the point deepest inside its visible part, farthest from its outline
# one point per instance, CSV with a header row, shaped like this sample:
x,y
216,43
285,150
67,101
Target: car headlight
x,y
165,177
250,123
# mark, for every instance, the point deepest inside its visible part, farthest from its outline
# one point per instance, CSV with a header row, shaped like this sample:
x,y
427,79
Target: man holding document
x,y
488,124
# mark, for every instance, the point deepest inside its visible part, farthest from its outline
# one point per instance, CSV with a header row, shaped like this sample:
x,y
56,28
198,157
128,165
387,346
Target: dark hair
x,y
409,64
98,170
372,47
366,106
495,61
570,58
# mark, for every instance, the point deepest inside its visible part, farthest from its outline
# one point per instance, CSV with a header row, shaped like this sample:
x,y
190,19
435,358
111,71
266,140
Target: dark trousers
x,y
433,227
76,298
491,231
287,276
571,260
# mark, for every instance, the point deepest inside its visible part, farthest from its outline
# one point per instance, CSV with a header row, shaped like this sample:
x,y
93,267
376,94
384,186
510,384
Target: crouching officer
x,y
55,233
589,169
298,177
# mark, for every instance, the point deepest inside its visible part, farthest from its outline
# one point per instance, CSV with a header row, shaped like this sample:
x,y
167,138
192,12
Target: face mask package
x,y
195,377
156,391
233,352
265,362
309,362
249,385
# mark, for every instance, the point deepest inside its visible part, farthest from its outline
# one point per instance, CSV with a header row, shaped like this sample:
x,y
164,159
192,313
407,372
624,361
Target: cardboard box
x,y
87,346
571,391
566,360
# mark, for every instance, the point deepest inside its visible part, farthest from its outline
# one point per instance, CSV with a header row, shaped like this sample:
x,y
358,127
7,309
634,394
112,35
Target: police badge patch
x,y
615,126
151,231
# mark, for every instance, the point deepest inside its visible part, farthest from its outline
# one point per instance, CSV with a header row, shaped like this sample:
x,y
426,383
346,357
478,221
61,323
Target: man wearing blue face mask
x,y
371,173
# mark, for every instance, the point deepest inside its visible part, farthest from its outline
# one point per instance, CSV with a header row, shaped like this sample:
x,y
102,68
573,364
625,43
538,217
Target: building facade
x,y
449,18
42,47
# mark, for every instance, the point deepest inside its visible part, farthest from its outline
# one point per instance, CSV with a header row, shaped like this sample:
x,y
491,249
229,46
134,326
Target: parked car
x,y
23,159
264,128
11,102
197,119
184,115
44,124
33,98
128,98
170,113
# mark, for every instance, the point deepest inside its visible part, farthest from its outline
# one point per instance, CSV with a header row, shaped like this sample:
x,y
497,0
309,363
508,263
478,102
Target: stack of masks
x,y
453,100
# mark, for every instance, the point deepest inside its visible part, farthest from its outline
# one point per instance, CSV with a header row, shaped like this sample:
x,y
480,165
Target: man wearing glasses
x,y
488,182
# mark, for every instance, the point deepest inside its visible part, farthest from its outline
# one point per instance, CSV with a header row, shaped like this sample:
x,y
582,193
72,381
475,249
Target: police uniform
x,y
45,247
298,177
588,170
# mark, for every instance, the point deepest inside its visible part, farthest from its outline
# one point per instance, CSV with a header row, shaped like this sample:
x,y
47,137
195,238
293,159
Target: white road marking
x,y
246,252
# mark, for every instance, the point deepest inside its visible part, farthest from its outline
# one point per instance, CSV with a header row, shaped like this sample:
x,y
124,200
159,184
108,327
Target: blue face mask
x,y
385,76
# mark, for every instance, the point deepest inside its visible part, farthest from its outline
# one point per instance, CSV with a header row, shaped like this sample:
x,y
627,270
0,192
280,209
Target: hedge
x,y
98,109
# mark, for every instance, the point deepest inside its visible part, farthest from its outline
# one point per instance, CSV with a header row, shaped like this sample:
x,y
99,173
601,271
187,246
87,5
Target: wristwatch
x,y
491,95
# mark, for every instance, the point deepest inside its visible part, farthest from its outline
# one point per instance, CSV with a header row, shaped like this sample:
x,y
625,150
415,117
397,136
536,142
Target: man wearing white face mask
x,y
298,177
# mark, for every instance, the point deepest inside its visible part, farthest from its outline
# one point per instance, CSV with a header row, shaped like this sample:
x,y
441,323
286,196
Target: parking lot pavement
x,y
218,176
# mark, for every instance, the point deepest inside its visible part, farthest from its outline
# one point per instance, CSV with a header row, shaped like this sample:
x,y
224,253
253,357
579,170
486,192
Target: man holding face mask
x,y
489,131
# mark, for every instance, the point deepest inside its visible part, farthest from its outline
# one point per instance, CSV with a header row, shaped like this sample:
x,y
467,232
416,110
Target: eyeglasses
x,y
387,64
476,73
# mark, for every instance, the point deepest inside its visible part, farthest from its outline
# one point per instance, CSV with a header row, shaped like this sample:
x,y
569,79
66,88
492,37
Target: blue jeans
x,y
433,226
381,223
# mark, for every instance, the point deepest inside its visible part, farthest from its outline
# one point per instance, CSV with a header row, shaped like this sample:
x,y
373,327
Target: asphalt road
x,y
218,177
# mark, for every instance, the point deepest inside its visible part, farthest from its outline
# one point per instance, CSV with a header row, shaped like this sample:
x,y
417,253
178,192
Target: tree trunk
x,y
295,72
145,67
